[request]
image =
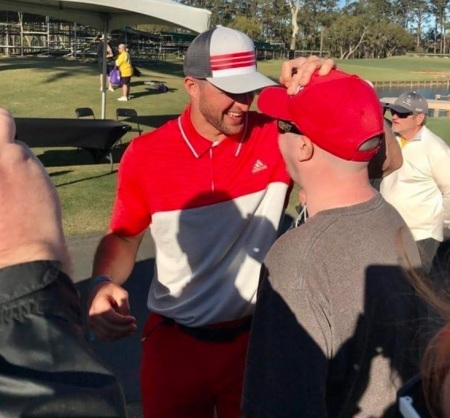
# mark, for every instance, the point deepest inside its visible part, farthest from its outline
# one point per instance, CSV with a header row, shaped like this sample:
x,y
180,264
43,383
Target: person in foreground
x,y
335,325
212,187
46,366
420,189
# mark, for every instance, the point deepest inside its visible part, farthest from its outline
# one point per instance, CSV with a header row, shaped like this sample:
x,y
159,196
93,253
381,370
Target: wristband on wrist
x,y
98,280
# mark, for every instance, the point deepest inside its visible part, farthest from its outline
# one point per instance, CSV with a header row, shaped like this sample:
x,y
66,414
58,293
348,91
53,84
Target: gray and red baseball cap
x,y
227,59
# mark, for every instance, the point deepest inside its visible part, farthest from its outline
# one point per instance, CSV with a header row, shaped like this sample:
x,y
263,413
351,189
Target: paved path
x,y
123,356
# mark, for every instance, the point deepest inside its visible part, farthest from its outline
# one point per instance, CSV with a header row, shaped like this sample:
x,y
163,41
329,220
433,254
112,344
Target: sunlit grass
x,y
43,87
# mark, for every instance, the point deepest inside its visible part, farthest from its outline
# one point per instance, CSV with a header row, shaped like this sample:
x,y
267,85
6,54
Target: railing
x,y
307,52
412,84
427,54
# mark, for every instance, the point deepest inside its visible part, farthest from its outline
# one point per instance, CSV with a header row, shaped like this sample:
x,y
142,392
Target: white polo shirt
x,y
420,189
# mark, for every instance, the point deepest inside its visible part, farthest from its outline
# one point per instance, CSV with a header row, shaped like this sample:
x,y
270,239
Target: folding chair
x,y
84,112
130,114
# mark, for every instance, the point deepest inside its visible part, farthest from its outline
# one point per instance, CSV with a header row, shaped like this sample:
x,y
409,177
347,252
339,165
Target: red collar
x,y
199,144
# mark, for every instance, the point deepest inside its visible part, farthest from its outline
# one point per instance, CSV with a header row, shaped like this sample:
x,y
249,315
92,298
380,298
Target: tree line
x,y
358,29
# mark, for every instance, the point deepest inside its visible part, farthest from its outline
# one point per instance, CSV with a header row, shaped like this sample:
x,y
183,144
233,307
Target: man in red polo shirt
x,y
212,186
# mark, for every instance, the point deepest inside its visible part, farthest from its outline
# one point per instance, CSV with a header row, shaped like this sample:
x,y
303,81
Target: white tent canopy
x,y
107,15
117,13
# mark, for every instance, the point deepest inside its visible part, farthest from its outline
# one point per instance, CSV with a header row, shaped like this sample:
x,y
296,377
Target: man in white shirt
x,y
420,189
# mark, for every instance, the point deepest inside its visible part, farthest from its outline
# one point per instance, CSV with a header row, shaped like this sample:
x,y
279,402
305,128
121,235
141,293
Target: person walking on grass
x,y
123,63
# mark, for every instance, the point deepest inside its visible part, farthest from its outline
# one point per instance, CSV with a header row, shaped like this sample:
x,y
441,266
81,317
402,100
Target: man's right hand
x,y
109,312
297,72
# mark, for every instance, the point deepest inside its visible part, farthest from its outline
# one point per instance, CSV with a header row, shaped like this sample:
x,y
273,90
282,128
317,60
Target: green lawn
x,y
43,87
388,69
400,69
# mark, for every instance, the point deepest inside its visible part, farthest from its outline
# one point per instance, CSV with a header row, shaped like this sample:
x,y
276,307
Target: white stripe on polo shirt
x,y
207,267
213,212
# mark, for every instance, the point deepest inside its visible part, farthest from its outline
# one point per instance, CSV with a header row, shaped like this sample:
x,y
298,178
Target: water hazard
x,y
427,92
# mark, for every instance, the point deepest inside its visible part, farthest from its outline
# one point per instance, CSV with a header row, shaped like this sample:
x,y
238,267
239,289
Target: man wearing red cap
x,y
333,331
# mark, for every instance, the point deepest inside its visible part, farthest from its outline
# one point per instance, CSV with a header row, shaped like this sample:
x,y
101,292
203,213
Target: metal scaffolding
x,y
23,34
26,34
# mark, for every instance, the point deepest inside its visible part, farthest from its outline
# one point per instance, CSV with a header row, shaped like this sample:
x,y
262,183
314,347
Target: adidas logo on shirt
x,y
259,166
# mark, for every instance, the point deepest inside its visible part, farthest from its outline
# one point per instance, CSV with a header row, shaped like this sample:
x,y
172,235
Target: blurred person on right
x,y
427,394
420,189
337,326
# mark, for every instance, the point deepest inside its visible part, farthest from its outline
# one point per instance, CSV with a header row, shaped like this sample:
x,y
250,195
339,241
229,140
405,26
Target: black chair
x,y
129,114
84,112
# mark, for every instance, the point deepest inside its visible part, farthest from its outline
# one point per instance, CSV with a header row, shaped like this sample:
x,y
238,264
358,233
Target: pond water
x,y
427,92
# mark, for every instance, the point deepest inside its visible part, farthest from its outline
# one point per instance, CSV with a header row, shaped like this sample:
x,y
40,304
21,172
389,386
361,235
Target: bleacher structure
x,y
147,46
24,34
150,46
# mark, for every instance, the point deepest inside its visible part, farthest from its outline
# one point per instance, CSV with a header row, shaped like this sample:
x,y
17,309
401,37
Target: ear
x,y
305,149
420,118
190,86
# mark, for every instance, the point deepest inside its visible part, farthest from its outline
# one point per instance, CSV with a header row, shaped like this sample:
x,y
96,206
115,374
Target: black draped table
x,y
98,136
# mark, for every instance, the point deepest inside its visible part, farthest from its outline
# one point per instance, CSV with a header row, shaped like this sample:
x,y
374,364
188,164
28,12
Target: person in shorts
x,y
123,63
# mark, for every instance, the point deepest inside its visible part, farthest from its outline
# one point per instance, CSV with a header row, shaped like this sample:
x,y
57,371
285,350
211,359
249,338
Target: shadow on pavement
x,y
122,356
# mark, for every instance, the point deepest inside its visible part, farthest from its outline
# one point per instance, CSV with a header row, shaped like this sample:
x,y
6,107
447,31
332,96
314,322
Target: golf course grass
x,y
49,87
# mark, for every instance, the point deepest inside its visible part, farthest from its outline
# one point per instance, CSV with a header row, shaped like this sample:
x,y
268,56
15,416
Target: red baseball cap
x,y
339,112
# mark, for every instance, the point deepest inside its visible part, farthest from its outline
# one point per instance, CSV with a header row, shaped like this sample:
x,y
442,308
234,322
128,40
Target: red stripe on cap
x,y
225,61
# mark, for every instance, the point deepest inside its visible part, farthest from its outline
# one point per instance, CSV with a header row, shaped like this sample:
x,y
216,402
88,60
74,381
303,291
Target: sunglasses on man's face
x,y
401,115
287,127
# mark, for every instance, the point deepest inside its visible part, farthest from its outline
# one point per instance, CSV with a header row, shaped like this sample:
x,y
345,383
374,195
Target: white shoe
x,y
123,99
110,88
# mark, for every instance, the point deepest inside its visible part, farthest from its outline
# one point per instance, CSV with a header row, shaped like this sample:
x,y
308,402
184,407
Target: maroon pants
x,y
183,376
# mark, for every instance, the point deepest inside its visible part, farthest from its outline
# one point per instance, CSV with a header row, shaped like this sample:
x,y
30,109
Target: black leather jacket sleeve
x,y
47,368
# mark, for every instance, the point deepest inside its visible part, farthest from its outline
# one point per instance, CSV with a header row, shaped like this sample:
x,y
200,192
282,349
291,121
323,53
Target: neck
x,y
337,190
410,133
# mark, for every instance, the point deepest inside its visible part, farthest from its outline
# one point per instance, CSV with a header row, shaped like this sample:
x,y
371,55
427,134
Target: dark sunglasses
x,y
400,115
287,127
